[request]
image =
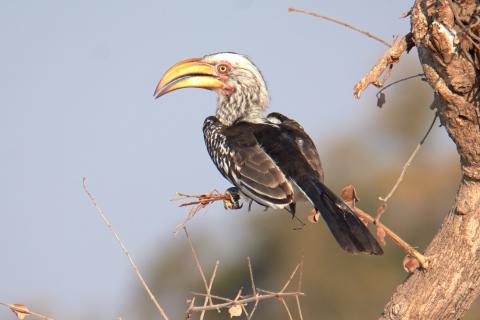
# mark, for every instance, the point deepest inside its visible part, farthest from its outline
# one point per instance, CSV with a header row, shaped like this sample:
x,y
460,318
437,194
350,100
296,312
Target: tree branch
x,y
349,196
391,56
408,163
238,305
366,33
124,249
22,311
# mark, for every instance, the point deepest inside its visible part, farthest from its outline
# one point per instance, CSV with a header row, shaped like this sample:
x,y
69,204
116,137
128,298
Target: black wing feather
x,y
262,158
346,227
239,157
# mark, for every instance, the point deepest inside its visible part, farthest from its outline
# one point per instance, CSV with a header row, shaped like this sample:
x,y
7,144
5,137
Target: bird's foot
x,y
233,199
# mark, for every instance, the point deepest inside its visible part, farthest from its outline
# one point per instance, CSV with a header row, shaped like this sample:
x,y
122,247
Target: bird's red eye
x,y
223,68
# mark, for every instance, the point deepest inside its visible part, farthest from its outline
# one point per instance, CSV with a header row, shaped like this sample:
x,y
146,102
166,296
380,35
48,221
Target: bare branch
x,y
197,261
246,300
209,289
241,301
408,163
398,81
299,289
368,34
254,289
22,311
124,249
202,200
290,278
368,218
287,309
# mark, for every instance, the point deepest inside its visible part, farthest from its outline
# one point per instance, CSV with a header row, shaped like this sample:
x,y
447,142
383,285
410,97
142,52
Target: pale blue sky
x,y
76,82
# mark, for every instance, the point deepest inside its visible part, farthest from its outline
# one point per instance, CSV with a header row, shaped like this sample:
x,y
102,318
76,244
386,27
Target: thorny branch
x,y
124,249
22,311
368,34
238,305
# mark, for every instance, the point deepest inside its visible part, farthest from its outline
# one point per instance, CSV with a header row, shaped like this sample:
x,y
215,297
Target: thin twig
x,y
396,238
22,309
197,261
212,296
290,278
201,201
299,289
254,289
245,300
124,249
240,300
398,81
368,34
244,308
190,306
408,163
208,297
286,308
250,271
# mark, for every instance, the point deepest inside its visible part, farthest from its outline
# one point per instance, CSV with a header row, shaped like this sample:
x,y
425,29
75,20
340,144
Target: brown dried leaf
x,y
381,99
235,311
349,194
313,216
410,264
381,236
20,310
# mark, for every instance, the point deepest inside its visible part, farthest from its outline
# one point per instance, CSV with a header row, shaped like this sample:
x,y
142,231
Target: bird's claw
x,y
232,200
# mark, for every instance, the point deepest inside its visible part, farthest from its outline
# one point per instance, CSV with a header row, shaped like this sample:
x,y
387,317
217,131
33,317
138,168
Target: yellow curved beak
x,y
191,73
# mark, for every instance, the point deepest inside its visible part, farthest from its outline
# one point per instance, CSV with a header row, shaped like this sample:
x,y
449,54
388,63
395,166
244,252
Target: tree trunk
x,y
446,36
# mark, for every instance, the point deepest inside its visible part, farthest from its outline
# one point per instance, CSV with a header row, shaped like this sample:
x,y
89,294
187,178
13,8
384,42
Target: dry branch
x,y
240,301
350,190
200,201
22,311
391,56
366,33
407,164
381,95
124,249
347,194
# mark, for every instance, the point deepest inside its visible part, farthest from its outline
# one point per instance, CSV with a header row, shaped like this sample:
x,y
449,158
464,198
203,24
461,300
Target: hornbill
x,y
269,159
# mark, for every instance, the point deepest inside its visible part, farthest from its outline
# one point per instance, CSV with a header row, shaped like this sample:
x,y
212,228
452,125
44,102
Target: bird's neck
x,y
245,103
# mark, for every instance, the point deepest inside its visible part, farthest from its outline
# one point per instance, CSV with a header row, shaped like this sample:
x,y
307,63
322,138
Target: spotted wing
x,y
239,157
301,138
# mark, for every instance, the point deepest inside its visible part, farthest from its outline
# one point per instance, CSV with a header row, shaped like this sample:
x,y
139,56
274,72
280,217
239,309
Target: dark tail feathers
x,y
346,227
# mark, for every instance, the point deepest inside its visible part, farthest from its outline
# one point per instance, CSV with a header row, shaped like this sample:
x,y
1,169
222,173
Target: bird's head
x,y
242,93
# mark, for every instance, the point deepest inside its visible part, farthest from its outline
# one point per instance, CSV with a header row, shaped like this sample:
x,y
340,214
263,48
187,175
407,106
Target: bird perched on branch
x,y
268,158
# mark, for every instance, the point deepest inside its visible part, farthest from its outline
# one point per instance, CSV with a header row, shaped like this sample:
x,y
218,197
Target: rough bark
x,y
449,56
